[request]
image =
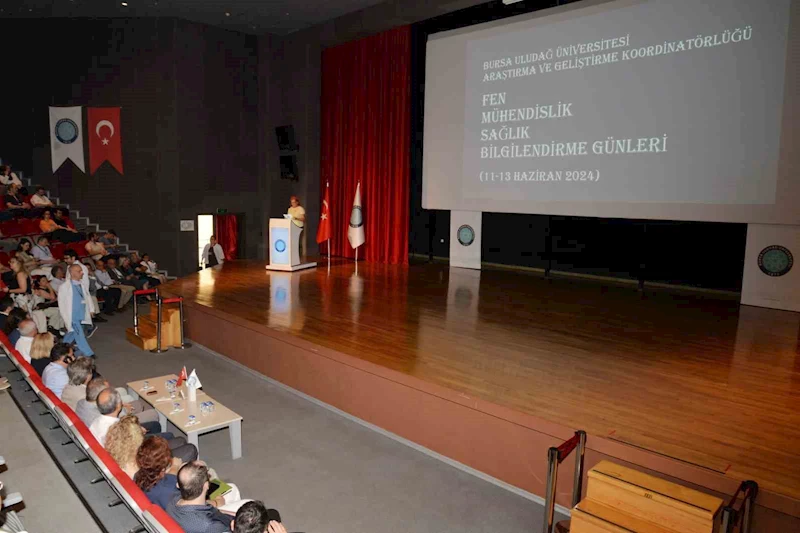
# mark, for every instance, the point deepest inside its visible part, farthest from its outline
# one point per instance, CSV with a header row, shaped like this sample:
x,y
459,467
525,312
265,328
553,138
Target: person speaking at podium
x,y
298,215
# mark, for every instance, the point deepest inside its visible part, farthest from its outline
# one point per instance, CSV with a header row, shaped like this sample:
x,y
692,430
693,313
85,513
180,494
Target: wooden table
x,y
206,422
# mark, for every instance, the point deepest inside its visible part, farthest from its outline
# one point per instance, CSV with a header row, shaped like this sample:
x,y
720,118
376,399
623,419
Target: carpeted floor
x,y
322,471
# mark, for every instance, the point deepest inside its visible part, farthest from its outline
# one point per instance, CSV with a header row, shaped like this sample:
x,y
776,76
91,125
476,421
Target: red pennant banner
x,y
105,143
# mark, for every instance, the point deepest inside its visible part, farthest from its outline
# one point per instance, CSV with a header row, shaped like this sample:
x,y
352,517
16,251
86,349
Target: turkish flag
x,y
103,132
324,229
183,377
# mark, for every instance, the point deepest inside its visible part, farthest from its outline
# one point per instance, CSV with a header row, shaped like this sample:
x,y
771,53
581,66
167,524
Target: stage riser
x,y
492,439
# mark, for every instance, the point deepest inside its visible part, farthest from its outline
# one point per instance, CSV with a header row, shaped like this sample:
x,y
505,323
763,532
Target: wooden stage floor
x,y
696,378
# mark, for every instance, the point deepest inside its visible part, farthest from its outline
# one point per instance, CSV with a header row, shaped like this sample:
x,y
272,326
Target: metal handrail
x,y
555,456
732,517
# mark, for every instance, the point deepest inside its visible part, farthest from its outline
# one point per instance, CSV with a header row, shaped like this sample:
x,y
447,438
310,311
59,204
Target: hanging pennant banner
x,y
66,139
105,142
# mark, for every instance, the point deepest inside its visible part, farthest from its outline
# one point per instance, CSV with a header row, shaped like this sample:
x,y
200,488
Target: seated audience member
x,y
80,373
15,203
55,375
123,441
190,509
45,301
151,269
40,199
24,254
43,254
6,305
120,278
155,477
153,463
109,403
94,248
40,351
27,332
88,411
76,306
61,217
115,296
19,287
7,177
15,316
111,242
138,278
254,517
57,230
59,274
87,408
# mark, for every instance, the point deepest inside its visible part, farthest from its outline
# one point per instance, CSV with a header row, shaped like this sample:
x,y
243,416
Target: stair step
x,y
146,340
592,517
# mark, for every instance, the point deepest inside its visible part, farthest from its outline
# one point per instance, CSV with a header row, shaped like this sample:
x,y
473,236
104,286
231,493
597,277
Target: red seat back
x,y
165,520
57,249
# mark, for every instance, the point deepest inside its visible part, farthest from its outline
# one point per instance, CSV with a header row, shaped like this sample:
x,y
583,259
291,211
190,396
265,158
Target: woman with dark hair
x,y
154,460
24,254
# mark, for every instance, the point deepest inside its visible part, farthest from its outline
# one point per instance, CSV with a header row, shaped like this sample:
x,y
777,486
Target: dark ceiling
x,y
278,17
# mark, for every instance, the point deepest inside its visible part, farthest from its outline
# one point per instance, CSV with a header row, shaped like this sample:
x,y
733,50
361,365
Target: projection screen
x,y
660,109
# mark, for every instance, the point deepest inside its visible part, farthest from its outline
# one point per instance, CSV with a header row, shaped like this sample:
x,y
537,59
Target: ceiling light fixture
x,y
124,4
227,14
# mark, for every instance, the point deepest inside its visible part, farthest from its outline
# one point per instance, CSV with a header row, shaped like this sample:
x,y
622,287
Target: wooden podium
x,y
284,246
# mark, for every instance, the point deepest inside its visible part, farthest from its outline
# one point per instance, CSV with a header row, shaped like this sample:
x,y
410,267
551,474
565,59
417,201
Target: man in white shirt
x,y
40,199
27,332
109,404
298,214
212,253
55,375
75,305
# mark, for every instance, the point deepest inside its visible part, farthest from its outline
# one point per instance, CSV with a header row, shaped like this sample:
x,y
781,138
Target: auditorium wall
x,y
189,98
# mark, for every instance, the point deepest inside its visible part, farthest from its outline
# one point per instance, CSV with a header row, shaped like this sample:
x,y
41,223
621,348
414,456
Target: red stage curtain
x,y
227,230
366,137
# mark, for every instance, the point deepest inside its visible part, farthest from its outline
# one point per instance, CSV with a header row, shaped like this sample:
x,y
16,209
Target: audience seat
x,y
79,248
58,249
30,226
12,228
4,258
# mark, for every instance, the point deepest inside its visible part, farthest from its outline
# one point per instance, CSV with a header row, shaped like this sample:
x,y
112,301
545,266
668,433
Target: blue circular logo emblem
x,y
775,260
356,219
465,235
66,131
280,245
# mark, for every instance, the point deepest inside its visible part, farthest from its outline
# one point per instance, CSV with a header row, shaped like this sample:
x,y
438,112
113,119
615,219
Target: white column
x,y
771,279
465,239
